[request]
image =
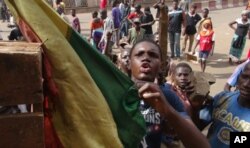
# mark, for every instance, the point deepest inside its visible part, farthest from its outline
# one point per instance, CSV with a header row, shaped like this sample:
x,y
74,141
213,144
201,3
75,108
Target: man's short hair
x,y
206,9
184,65
194,6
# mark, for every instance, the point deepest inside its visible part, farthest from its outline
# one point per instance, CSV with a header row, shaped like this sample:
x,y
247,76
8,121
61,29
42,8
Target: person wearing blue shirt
x,y
160,107
229,112
233,80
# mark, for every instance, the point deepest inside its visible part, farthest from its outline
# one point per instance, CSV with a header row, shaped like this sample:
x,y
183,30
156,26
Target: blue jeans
x,y
124,29
174,39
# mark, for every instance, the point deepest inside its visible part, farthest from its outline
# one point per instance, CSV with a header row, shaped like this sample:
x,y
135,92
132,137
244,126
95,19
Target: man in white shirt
x,y
108,28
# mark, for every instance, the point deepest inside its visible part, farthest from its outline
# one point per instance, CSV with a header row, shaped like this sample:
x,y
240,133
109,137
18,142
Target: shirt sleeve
x,y
233,80
198,37
238,20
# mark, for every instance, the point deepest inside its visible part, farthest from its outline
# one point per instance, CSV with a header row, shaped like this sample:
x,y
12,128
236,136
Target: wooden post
x,y
163,34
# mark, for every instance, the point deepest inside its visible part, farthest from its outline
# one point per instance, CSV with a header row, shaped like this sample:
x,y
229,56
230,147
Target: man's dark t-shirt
x,y
154,121
192,20
175,20
148,17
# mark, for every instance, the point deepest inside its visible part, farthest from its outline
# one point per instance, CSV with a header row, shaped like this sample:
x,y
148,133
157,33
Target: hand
x,y
152,95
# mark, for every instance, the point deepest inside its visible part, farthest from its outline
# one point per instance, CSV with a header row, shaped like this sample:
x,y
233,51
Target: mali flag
x,y
95,104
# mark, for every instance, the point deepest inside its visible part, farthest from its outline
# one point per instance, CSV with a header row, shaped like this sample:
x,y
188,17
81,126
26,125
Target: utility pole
x,y
163,35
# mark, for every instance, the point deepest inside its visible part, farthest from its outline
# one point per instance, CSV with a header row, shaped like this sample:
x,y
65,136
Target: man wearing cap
x,y
136,33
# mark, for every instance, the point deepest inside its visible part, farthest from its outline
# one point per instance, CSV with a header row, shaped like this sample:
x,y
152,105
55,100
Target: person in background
x,y
136,33
132,4
75,22
157,15
205,16
123,60
192,19
122,7
184,83
184,5
96,30
125,11
206,41
240,36
176,20
108,39
137,14
5,12
116,15
233,79
147,22
160,107
15,34
61,11
103,4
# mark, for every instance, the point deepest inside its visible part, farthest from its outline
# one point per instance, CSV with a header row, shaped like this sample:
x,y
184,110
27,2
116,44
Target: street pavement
x,y
217,64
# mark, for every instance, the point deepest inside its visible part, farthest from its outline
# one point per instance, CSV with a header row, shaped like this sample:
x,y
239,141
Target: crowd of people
x,y
174,110
173,107
129,23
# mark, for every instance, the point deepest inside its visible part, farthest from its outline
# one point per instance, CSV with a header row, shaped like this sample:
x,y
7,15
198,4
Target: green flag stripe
x,y
117,89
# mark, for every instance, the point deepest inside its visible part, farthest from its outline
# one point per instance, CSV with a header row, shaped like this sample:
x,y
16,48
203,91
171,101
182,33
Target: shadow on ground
x,y
218,60
222,76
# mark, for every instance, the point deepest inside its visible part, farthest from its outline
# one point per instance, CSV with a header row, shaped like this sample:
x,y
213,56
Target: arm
x,y
231,25
91,30
184,23
248,34
152,95
212,51
156,4
131,21
149,23
198,41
